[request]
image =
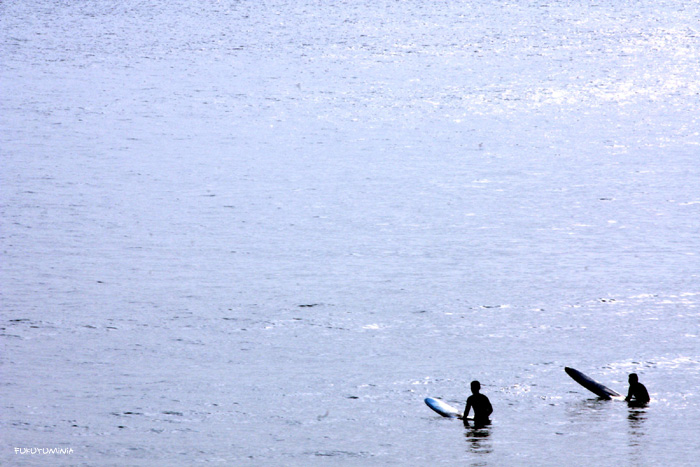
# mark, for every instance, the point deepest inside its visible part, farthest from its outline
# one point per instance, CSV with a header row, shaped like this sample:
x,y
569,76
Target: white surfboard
x,y
443,408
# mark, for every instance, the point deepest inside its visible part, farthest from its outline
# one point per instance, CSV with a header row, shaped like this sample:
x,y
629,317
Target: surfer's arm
x,y
467,409
489,407
645,394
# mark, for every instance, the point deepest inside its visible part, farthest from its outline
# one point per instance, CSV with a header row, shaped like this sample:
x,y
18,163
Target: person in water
x,y
481,405
637,394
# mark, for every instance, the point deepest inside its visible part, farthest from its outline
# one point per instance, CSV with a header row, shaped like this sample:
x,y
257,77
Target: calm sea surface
x,y
261,232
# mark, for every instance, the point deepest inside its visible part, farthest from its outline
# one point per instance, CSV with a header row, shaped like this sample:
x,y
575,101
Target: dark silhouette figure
x,y
637,394
481,405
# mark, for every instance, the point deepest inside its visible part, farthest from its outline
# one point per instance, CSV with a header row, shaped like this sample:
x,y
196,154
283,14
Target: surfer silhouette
x,y
481,405
637,393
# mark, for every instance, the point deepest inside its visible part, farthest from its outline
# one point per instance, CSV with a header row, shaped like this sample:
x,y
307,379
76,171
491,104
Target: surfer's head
x,y
633,378
475,387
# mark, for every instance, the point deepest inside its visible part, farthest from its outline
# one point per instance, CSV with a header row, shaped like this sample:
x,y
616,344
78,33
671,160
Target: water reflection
x,y
589,409
636,418
478,440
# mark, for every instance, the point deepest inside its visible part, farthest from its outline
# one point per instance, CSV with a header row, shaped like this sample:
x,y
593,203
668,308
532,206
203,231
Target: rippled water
x,y
260,233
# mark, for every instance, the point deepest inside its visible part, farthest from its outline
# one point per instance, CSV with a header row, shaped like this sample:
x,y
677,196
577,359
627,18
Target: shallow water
x,y
260,233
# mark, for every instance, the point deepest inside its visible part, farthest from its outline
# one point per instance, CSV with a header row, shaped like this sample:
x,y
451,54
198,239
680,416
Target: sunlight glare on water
x,y
261,233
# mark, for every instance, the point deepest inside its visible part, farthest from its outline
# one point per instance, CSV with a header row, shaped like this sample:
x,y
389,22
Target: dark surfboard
x,y
592,385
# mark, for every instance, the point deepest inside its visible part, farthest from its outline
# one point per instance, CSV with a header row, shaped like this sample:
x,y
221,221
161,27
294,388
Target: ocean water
x,y
261,233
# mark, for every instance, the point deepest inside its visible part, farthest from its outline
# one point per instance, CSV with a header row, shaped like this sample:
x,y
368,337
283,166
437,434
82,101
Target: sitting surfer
x,y
637,395
481,405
